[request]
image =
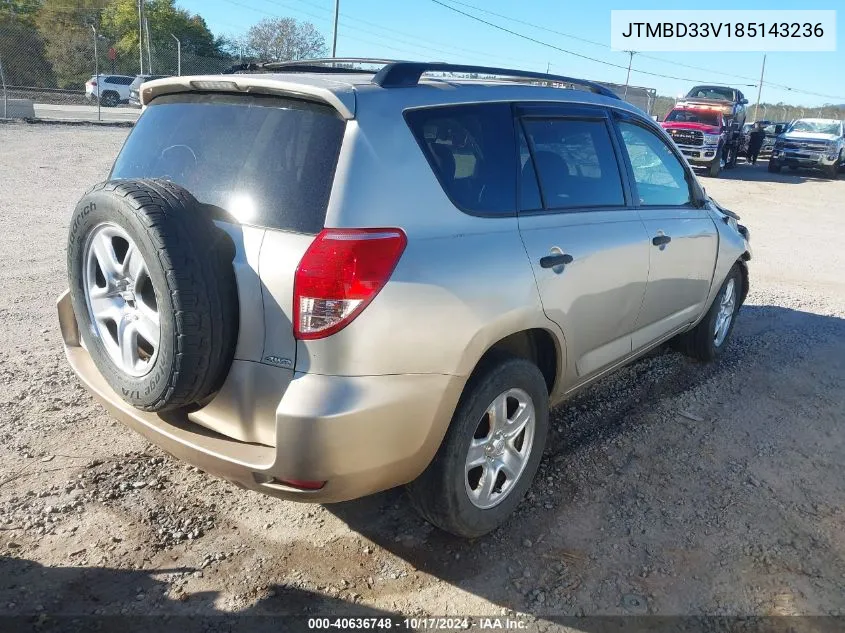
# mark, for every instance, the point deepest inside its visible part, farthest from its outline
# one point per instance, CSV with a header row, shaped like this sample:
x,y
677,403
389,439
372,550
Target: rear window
x,y
472,151
266,161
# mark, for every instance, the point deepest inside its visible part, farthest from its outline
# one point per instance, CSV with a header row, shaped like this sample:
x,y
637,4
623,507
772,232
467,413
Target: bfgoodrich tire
x,y
491,451
153,289
713,333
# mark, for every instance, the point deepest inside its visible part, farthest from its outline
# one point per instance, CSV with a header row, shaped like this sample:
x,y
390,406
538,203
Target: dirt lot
x,y
670,488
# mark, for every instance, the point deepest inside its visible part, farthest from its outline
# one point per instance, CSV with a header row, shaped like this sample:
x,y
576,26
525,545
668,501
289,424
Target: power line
x,y
430,45
558,48
511,19
594,43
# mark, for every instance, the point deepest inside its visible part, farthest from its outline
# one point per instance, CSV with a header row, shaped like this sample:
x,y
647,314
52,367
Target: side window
x,y
529,190
472,150
660,177
576,163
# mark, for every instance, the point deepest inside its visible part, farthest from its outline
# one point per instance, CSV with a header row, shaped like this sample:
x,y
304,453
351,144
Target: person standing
x,y
755,142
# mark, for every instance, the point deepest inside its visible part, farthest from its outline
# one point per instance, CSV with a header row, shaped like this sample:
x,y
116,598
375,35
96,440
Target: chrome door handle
x,y
661,240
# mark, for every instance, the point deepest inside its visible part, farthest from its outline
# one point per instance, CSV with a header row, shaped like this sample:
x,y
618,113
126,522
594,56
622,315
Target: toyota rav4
x,y
320,282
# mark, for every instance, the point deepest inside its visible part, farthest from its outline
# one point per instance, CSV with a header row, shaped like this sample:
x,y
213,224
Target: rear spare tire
x,y
153,289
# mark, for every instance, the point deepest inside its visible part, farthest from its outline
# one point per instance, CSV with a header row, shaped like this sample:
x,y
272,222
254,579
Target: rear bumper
x,y
359,434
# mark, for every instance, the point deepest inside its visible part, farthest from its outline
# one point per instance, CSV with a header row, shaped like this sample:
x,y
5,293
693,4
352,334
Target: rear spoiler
x,y
341,97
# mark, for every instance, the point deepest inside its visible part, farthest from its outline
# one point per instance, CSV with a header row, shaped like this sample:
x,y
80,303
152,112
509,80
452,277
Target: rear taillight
x,y
340,273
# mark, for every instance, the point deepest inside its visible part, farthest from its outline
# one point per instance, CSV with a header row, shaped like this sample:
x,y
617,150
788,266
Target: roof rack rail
x,y
321,65
401,74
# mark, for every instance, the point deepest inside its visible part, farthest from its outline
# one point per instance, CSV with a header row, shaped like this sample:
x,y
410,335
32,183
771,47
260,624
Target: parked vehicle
x,y
135,88
773,129
353,281
810,144
704,136
730,101
111,90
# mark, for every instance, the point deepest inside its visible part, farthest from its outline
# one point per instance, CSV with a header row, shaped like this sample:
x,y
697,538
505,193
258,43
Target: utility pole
x,y
97,72
141,35
5,93
149,55
760,88
334,30
178,55
628,77
548,67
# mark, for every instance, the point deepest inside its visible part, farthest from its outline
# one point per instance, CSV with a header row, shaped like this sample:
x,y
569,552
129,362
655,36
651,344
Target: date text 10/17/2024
x,y
419,623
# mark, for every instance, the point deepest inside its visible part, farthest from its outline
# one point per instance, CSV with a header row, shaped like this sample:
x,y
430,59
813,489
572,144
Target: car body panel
x,y
309,410
680,273
596,298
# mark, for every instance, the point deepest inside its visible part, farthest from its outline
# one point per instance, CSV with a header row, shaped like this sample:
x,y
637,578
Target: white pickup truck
x,y
811,144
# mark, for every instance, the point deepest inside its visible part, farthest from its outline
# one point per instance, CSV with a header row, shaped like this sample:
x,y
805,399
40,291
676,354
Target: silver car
x,y
322,282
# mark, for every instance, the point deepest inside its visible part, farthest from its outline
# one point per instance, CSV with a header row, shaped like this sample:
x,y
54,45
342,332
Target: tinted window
x,y
576,163
659,175
529,190
472,151
267,161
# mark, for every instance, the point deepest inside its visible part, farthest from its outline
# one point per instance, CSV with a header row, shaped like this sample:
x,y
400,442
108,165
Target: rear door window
x,y
575,162
472,151
266,161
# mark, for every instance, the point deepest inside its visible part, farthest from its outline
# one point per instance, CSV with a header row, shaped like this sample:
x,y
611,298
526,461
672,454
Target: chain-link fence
x,y
66,72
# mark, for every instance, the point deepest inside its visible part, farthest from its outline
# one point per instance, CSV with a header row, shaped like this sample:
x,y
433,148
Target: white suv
x,y
109,89
320,283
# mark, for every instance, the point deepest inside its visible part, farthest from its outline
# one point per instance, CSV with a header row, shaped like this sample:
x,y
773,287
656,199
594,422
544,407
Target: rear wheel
x,y
774,166
711,336
109,99
491,451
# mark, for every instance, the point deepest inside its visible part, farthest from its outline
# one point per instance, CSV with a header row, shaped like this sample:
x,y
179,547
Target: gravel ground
x,y
670,488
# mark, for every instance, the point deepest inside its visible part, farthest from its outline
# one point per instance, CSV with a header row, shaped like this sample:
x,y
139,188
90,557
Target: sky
x,y
424,30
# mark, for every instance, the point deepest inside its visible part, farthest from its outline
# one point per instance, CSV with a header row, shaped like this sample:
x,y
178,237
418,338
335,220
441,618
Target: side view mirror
x,y
778,129
744,102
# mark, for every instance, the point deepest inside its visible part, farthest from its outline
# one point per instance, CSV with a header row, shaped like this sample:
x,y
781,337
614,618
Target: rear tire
x,y
154,293
109,99
450,493
712,335
774,167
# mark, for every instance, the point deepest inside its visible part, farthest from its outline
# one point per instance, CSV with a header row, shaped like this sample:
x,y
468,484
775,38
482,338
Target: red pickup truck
x,y
704,135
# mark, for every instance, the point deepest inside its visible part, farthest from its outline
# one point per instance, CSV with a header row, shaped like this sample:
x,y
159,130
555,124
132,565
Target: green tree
x,y
120,25
21,46
69,41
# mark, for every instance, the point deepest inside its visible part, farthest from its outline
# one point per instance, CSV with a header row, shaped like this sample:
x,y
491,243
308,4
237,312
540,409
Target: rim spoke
x,y
509,463
524,414
498,412
476,455
103,251
106,307
147,326
127,340
485,486
133,264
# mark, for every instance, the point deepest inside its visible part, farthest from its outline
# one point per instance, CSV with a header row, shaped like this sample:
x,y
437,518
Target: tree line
x,y
50,43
